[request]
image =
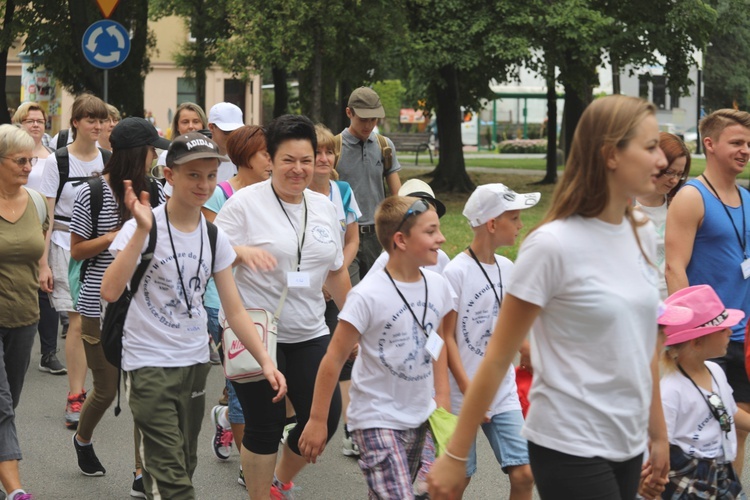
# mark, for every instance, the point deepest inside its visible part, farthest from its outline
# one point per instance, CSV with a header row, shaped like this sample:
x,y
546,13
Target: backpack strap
x,y
153,191
387,153
63,168
96,201
106,155
336,149
39,203
227,189
62,138
213,232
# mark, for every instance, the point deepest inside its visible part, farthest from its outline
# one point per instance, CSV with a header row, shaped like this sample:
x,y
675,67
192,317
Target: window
x,y
185,90
660,92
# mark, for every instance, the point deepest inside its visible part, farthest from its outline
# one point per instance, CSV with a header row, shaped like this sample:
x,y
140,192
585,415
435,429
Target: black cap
x,y
134,132
192,146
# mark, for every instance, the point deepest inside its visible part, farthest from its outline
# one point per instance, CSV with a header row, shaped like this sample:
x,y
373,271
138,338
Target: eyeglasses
x,y
418,207
22,161
720,412
672,174
33,122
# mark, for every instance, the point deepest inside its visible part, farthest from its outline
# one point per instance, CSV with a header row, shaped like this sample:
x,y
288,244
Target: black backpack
x,y
96,200
63,167
113,324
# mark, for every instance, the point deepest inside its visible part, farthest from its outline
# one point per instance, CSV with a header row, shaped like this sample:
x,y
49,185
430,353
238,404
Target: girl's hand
x,y
312,442
446,478
140,208
276,379
658,462
255,258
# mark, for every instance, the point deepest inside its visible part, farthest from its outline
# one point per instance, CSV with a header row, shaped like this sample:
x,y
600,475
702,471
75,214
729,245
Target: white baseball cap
x,y
492,200
226,116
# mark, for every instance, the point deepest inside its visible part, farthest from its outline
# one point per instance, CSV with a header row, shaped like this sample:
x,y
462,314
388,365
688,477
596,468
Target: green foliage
x,y
56,44
392,95
726,81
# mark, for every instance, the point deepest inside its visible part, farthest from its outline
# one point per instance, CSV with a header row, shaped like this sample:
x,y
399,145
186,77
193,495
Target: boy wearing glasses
x,y
706,240
478,276
394,314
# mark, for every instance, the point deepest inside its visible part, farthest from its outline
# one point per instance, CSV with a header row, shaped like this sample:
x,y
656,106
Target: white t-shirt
x,y
253,217
345,218
392,380
79,172
477,311
158,331
35,176
690,424
383,258
594,339
658,215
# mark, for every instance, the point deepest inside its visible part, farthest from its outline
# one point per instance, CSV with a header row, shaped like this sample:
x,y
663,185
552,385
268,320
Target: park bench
x,y
411,142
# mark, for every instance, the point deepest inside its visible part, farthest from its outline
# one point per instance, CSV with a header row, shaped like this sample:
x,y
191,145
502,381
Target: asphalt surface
x,y
49,469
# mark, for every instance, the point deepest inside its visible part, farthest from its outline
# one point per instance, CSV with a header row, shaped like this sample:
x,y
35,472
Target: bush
x,y
523,146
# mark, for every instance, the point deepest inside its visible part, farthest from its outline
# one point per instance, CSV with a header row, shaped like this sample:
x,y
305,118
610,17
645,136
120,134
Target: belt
x,y
366,228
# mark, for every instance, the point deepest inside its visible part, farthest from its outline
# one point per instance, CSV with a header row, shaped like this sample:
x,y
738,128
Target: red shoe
x,y
73,409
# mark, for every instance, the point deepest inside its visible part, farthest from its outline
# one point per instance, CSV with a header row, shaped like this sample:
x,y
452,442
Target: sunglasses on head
x,y
417,208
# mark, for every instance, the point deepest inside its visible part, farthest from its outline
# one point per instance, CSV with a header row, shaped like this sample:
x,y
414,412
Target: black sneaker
x,y
50,364
137,490
87,460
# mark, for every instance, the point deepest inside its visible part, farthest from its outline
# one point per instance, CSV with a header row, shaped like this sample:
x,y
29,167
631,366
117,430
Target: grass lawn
x,y
455,227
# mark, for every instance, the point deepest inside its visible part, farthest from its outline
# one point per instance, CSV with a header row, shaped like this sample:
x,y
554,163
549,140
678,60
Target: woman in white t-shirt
x,y
301,230
585,285
668,182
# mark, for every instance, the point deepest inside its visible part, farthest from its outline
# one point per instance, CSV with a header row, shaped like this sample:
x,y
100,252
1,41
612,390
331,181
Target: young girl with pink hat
x,y
699,409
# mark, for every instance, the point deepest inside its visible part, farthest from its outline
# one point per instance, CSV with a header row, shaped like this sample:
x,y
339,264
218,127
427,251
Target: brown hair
x,y
714,124
673,148
192,107
326,140
23,111
244,142
87,106
389,215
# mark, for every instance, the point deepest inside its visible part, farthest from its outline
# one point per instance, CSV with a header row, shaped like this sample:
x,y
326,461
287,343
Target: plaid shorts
x,y
390,460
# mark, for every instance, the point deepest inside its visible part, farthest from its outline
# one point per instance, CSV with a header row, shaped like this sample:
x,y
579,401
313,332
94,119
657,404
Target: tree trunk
x,y
551,175
316,85
450,173
280,92
578,95
10,8
345,89
616,89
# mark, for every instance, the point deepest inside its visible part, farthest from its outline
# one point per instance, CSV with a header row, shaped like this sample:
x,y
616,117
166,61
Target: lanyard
x,y
713,410
492,285
189,303
743,239
300,242
424,314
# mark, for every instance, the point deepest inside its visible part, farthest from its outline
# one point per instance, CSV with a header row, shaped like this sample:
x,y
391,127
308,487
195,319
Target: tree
x,y
454,48
13,27
727,83
56,44
207,20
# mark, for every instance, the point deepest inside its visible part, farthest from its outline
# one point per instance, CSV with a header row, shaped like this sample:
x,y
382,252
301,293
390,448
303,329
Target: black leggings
x,y
561,476
264,420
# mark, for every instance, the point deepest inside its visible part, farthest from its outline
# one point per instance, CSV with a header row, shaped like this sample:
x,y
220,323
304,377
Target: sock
x,y
346,431
15,493
223,420
80,443
137,476
290,420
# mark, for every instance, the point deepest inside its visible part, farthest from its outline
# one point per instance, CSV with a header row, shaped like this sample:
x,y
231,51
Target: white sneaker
x,y
221,443
287,429
349,448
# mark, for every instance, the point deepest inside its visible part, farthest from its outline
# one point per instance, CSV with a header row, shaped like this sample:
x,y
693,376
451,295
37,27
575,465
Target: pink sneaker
x,y
281,491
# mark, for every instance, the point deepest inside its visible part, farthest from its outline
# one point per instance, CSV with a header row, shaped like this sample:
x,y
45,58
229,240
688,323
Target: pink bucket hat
x,y
709,314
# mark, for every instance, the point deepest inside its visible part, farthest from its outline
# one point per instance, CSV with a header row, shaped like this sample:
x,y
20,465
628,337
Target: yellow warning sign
x,y
107,7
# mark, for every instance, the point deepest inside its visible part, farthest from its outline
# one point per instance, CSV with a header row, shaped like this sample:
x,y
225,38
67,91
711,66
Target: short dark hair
x,y
290,127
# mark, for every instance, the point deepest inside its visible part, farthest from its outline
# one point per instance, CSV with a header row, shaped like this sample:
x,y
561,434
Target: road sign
x,y
107,6
106,44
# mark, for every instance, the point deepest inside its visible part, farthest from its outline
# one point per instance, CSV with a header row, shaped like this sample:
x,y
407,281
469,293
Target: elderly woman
x,y
23,221
32,118
302,232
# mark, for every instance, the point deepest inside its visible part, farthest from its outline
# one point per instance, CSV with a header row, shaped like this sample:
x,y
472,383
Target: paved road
x,y
49,469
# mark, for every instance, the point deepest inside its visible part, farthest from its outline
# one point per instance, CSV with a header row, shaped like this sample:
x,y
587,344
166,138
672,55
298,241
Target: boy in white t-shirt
x,y
394,315
164,351
478,276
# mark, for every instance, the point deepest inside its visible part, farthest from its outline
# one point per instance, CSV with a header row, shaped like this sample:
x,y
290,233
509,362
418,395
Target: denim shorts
x,y
504,435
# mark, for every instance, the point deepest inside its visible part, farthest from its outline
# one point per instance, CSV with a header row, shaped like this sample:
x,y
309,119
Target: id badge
x,y
745,268
298,279
434,345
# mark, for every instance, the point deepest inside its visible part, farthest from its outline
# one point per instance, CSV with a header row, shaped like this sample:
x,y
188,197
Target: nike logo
x,y
235,349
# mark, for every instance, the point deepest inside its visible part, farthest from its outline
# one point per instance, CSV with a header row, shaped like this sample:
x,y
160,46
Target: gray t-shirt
x,y
361,165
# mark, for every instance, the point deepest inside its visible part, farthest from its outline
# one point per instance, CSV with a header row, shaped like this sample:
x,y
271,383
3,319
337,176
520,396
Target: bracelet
x,y
454,457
